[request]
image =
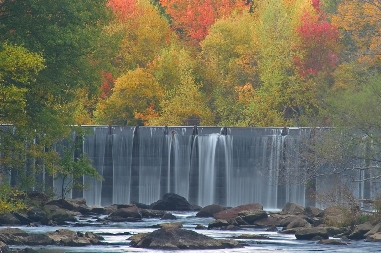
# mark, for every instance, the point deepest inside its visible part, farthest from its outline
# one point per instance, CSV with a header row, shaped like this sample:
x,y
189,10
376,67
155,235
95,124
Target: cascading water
x,y
206,165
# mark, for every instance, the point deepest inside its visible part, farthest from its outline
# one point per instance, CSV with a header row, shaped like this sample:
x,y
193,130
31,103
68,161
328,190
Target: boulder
x,y
292,208
170,225
4,247
178,238
9,219
126,214
172,202
210,210
97,209
77,205
360,231
13,236
200,227
23,218
298,223
331,242
310,233
218,224
60,217
168,216
270,221
141,205
252,215
36,214
70,238
147,213
233,212
312,211
374,230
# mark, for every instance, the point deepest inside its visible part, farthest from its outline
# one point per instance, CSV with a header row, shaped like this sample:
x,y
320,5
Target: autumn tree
x,y
136,93
193,19
184,99
228,62
142,31
359,24
319,43
282,96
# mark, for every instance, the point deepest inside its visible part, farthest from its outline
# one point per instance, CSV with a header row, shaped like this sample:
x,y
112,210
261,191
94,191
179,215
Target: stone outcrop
x,y
172,202
231,213
131,213
311,233
210,210
15,236
292,208
178,238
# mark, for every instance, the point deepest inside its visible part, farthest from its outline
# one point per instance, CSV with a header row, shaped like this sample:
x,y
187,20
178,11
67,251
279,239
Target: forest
x,y
246,63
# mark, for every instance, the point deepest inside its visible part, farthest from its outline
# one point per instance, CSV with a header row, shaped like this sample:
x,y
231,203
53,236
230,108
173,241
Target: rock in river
x,y
178,238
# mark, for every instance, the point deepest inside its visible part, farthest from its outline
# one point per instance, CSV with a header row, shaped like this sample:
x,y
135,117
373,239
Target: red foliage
x,y
108,84
194,17
123,9
319,40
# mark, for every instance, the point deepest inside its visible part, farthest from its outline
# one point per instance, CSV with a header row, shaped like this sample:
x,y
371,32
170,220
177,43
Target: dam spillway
x,y
206,165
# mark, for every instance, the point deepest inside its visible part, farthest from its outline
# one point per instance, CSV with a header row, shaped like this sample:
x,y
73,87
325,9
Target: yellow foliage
x,y
134,93
361,20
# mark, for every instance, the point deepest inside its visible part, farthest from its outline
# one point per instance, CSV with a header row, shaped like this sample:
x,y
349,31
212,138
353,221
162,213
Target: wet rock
x,y
298,223
168,216
252,215
360,231
4,247
9,219
12,236
200,227
141,205
218,224
169,225
174,239
126,214
312,211
172,202
238,221
97,209
23,218
252,236
60,217
310,233
36,214
70,238
271,220
210,210
292,208
331,242
233,212
147,213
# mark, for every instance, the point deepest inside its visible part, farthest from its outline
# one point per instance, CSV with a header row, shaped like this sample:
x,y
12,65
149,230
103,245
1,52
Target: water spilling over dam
x,y
206,165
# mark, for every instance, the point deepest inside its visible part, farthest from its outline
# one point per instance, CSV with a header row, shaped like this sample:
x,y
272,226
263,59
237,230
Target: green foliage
x,y
70,168
11,199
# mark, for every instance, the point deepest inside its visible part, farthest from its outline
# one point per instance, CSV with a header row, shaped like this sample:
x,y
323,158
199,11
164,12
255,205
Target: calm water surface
x,y
119,242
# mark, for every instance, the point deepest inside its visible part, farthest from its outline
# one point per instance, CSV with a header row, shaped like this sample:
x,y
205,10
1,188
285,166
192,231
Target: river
x,y
115,234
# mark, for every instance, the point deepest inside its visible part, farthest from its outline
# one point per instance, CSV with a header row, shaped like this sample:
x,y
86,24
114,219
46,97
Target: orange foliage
x,y
361,19
196,16
124,9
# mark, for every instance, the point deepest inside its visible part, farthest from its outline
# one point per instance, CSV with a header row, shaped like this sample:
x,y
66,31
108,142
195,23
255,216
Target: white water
x,y
119,242
208,167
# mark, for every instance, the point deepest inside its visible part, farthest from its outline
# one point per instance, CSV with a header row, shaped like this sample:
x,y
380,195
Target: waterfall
x,y
206,165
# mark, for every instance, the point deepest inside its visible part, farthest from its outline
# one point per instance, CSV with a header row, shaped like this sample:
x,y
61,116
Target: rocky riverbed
x,y
71,226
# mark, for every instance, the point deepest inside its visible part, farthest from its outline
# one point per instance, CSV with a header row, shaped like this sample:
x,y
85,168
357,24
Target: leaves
x,y
195,17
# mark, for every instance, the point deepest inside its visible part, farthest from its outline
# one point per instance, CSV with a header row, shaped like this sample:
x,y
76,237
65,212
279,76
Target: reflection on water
x,y
116,236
